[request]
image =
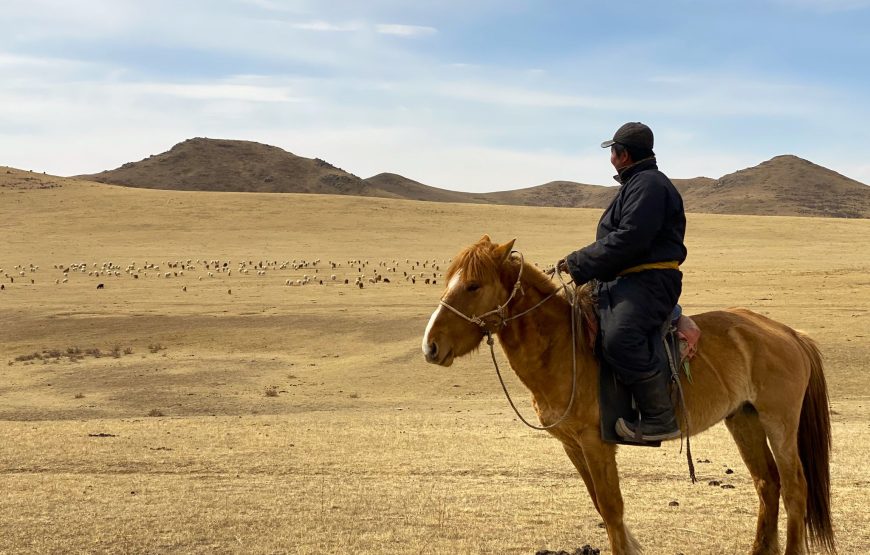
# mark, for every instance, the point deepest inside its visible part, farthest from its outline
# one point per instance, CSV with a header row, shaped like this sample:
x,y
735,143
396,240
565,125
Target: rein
x,y
500,312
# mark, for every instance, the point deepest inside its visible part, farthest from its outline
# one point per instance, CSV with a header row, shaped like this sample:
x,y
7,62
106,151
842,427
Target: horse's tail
x,y
814,448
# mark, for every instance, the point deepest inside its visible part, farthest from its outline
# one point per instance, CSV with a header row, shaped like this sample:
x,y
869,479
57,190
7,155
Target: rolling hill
x,y
202,164
784,185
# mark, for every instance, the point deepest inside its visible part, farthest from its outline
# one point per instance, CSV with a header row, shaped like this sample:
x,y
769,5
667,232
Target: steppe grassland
x,y
365,447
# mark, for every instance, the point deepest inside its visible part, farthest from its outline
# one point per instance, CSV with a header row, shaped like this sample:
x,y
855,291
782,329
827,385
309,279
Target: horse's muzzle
x,y
434,355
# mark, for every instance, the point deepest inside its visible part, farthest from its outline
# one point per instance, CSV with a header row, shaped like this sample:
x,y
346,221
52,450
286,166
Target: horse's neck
x,y
538,345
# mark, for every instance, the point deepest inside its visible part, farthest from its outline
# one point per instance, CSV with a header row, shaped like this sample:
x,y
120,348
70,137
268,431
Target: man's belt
x,y
667,265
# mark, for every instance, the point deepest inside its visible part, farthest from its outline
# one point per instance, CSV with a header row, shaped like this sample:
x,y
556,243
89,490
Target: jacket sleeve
x,y
643,214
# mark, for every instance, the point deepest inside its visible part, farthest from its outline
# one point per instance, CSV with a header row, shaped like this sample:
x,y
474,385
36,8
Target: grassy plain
x,y
361,446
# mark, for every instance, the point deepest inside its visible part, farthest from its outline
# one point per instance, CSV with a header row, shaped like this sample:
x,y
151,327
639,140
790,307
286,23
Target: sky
x,y
475,95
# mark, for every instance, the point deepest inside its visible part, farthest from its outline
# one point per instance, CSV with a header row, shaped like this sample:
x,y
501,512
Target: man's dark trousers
x,y
632,310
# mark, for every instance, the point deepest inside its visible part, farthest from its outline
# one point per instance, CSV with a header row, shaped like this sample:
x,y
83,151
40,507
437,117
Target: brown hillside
x,y
782,186
684,185
555,193
202,164
402,187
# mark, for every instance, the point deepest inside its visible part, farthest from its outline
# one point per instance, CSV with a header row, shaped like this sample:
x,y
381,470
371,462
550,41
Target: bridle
x,y
500,311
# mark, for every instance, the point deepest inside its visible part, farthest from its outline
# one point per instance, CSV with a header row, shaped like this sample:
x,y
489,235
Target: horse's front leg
x,y
600,466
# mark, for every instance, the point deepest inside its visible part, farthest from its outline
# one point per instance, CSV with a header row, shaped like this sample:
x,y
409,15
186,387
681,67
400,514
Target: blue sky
x,y
476,96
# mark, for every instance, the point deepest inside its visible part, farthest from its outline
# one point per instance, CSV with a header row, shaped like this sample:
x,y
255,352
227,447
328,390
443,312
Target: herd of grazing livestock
x,y
356,273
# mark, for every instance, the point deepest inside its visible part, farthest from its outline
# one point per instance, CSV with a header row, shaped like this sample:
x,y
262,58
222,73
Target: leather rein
x,y
500,311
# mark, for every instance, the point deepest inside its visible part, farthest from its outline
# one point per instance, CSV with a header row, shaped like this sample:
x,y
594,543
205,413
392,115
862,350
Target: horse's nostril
x,y
433,349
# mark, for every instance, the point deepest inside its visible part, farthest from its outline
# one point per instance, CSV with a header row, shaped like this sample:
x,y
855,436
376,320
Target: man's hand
x,y
561,266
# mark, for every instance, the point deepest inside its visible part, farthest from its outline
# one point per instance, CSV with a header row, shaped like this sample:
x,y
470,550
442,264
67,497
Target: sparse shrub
x,y
154,347
94,352
272,391
354,395
79,396
73,351
155,412
25,358
128,350
53,353
116,351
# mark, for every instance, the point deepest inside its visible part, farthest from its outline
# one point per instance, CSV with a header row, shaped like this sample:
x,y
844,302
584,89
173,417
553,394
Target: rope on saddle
x,y
670,344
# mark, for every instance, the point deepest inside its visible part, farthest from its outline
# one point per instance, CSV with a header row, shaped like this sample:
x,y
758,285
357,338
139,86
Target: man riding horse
x,y
636,257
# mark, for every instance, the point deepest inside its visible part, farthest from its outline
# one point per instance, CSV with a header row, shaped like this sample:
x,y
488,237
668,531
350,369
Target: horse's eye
x,y
472,287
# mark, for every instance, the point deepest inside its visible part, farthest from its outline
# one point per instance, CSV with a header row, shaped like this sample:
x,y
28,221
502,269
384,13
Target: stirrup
x,y
624,430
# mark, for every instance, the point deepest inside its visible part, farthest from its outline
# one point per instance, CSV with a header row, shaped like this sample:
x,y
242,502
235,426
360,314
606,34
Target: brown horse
x,y
762,377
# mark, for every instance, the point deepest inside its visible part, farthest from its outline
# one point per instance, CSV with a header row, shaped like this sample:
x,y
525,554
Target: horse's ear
x,y
485,239
502,252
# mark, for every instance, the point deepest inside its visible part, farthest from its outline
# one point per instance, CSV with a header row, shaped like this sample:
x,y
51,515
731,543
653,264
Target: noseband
x,y
500,312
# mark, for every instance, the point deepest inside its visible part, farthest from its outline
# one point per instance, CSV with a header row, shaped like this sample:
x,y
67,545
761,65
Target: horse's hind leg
x,y
751,440
782,432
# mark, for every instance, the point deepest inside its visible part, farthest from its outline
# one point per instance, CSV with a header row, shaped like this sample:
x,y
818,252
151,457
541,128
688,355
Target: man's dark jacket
x,y
644,223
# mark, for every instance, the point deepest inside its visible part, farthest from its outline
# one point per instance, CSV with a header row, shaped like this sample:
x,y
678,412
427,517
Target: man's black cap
x,y
633,134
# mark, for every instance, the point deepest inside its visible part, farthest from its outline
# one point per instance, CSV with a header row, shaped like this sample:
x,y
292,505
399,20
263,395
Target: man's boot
x,y
657,420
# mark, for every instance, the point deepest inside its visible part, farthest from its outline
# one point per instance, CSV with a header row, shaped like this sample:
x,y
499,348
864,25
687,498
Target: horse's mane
x,y
478,264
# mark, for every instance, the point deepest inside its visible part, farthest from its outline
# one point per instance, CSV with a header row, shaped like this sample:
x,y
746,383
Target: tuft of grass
x,y
94,352
25,358
155,347
79,396
155,413
272,391
128,350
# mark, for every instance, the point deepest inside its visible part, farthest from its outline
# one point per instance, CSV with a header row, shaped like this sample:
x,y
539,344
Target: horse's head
x,y
475,286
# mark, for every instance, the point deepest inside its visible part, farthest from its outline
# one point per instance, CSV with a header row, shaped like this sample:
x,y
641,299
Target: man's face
x,y
619,161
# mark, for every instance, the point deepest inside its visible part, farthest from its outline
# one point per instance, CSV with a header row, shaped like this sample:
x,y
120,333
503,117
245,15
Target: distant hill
x,y
556,193
223,165
784,185
402,187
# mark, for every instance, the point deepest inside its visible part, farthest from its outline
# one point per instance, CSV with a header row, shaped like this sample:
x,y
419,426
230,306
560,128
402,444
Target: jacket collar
x,y
628,172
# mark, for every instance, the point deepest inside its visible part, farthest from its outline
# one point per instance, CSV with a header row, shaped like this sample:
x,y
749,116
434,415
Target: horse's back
x,y
746,324
742,355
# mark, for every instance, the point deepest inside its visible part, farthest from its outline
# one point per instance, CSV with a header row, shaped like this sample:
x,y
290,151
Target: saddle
x,y
680,336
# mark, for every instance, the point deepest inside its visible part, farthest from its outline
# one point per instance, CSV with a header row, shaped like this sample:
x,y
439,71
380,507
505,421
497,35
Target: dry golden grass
x,y
364,448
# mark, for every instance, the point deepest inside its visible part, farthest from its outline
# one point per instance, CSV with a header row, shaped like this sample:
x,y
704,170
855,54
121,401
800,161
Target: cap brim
x,y
608,144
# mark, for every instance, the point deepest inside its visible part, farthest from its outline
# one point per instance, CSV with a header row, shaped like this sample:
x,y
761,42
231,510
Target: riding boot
x,y
657,419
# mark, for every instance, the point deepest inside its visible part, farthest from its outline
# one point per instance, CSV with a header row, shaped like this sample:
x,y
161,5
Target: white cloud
x,y
405,30
506,93
327,26
211,91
